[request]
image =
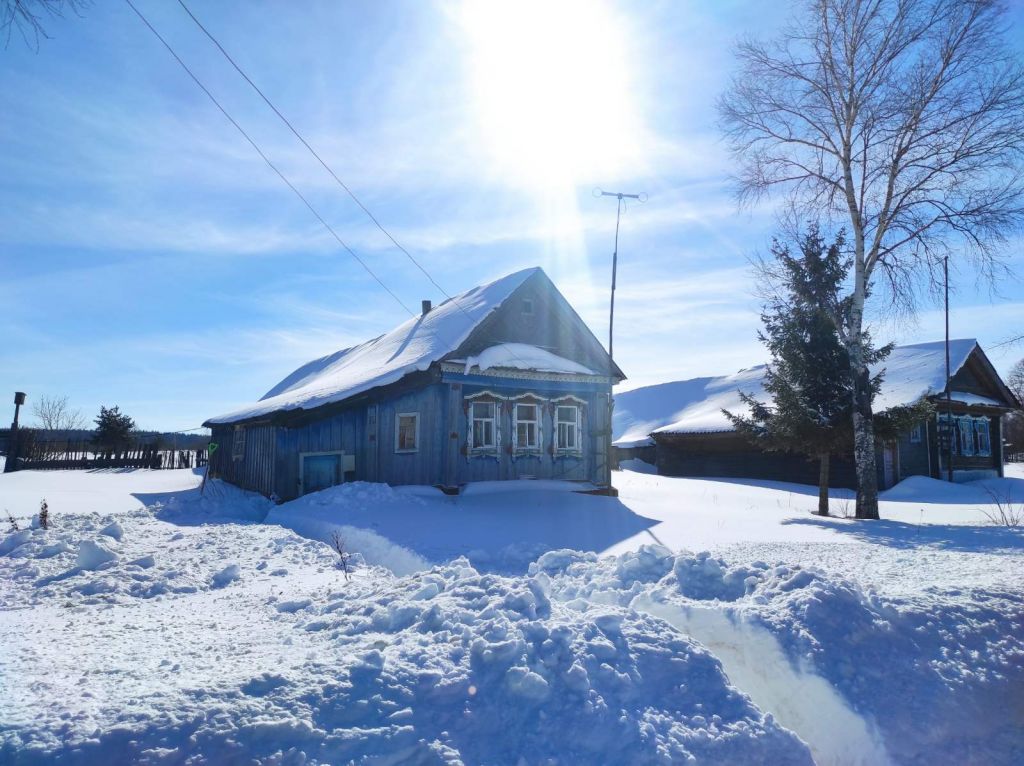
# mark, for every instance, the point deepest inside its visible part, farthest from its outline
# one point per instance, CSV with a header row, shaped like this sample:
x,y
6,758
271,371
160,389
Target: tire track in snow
x,y
803,702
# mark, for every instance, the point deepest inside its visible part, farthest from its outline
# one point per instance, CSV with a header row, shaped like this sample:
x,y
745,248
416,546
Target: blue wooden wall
x,y
272,452
505,464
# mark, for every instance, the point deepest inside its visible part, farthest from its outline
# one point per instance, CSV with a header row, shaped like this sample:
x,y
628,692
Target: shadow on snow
x,y
900,534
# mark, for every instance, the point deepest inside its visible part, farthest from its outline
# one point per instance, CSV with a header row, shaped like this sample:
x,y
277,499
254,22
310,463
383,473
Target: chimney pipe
x,y
426,306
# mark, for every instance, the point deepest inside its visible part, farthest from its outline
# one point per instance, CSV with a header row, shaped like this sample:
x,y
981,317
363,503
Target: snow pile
x,y
860,676
521,356
499,526
322,515
92,555
293,664
218,502
413,345
77,560
206,637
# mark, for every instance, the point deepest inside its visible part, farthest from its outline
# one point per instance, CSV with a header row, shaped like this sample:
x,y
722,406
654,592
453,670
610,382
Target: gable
x,y
979,378
537,314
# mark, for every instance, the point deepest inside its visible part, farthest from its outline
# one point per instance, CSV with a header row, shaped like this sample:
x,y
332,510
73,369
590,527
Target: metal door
x,y
320,472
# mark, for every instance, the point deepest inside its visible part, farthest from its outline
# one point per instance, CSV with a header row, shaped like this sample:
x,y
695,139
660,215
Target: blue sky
x,y
150,259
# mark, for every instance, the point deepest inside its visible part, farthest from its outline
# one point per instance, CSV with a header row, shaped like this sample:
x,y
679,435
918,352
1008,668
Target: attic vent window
x,y
527,306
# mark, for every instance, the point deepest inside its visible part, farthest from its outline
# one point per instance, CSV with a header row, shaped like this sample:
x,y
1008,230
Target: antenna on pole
x,y
620,196
641,198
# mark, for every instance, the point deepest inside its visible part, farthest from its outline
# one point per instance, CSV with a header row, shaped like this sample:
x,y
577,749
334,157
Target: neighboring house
x,y
680,426
502,382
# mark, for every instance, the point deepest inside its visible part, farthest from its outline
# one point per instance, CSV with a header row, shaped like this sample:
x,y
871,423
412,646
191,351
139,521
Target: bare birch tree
x,y
53,413
1015,380
28,17
902,120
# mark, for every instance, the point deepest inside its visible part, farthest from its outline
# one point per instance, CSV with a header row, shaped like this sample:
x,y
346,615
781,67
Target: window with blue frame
x,y
966,427
971,436
982,437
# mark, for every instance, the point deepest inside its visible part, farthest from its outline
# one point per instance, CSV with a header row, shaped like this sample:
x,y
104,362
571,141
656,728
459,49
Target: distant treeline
x,y
161,440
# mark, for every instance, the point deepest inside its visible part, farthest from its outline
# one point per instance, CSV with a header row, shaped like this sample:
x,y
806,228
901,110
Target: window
x,y
407,432
915,434
949,434
238,443
527,427
984,441
567,418
483,431
527,306
966,435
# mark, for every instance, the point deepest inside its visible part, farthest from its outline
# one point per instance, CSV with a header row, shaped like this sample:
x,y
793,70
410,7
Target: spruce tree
x,y
113,429
809,380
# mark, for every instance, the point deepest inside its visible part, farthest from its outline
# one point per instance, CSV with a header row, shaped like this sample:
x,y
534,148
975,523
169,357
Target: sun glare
x,y
551,83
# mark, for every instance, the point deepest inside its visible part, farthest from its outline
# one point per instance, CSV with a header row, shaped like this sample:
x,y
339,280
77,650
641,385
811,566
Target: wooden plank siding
x,y
729,455
504,463
550,323
255,470
364,426
340,432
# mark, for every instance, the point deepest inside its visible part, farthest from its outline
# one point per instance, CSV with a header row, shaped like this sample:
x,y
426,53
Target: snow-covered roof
x,y
695,406
966,397
521,356
412,346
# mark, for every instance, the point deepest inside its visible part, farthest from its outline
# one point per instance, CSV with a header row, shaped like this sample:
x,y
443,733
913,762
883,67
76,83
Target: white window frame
x,y
473,446
966,424
416,432
577,427
538,422
238,443
987,433
916,435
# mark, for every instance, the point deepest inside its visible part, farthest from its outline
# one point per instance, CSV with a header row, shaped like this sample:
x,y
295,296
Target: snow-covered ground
x,y
685,621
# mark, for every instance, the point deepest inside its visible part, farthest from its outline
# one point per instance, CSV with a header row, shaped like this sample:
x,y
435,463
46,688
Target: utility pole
x,y
620,196
949,395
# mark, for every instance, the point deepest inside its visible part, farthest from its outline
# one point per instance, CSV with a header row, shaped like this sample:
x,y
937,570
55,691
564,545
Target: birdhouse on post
x,y
11,464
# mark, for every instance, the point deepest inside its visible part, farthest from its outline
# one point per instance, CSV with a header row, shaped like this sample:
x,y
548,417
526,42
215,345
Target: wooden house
x,y
687,433
502,382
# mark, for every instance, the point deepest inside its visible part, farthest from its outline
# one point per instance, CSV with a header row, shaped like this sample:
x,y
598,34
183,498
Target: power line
x,y
328,168
312,151
266,159
273,167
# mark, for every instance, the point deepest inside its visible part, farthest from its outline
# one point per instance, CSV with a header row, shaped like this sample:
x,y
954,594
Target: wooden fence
x,y
42,455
